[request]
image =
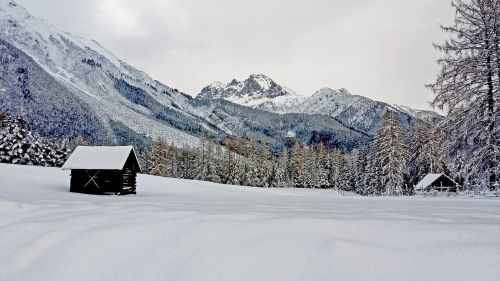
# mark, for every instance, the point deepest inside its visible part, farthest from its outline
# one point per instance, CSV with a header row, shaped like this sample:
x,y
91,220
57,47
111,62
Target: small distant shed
x,y
438,182
103,169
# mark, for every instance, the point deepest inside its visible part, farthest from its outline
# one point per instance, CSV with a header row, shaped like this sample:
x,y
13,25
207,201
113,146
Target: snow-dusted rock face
x,y
257,91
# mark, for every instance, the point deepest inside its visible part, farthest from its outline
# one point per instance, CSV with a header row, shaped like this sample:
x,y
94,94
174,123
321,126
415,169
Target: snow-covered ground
x,y
187,230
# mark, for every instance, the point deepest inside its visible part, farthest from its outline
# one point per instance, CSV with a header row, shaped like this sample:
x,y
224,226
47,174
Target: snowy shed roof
x,y
99,158
428,180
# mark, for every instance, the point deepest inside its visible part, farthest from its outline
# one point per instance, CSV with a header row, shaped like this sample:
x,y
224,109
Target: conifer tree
x,y
159,158
322,165
361,169
372,179
211,173
263,166
390,155
350,171
250,171
187,163
336,177
279,174
310,173
426,153
230,166
172,160
18,145
295,166
201,167
468,88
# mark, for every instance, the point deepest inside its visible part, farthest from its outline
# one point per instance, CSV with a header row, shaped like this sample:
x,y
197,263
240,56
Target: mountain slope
x,y
358,112
426,115
355,111
27,90
277,129
87,76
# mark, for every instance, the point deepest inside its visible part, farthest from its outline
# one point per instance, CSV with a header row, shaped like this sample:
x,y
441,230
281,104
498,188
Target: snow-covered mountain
x,y
355,111
358,112
66,86
257,91
80,73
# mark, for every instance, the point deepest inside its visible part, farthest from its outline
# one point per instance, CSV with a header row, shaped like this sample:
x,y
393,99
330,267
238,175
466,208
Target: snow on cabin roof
x,y
428,180
98,158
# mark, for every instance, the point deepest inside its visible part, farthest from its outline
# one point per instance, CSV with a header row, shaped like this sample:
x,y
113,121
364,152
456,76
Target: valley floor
x,y
188,230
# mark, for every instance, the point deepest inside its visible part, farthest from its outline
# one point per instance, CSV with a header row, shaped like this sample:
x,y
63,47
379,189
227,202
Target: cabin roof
x,y
100,158
429,179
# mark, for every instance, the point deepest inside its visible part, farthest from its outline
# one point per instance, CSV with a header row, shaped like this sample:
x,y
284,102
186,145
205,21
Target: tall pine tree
x,y
389,155
468,87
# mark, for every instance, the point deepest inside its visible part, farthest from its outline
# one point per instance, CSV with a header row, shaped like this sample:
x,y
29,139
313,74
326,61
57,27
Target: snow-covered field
x,y
188,230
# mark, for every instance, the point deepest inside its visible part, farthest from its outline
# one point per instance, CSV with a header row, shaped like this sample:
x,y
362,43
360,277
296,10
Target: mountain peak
x,y
329,92
233,82
5,3
217,84
344,91
13,8
256,89
259,76
262,80
29,33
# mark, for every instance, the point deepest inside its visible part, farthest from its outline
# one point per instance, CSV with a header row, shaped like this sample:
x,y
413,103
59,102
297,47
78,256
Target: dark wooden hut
x,y
437,182
103,170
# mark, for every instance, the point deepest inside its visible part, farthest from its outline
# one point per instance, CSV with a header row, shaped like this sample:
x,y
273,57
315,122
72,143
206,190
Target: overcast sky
x,y
381,49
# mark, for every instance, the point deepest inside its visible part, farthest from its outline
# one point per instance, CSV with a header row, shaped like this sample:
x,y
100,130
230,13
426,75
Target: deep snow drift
x,y
187,230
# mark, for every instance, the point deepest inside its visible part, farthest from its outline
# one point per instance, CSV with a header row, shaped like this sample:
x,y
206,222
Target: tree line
x,y
392,165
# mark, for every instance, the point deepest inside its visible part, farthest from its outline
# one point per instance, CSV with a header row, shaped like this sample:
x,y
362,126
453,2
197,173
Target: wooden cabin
x,y
436,182
103,170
